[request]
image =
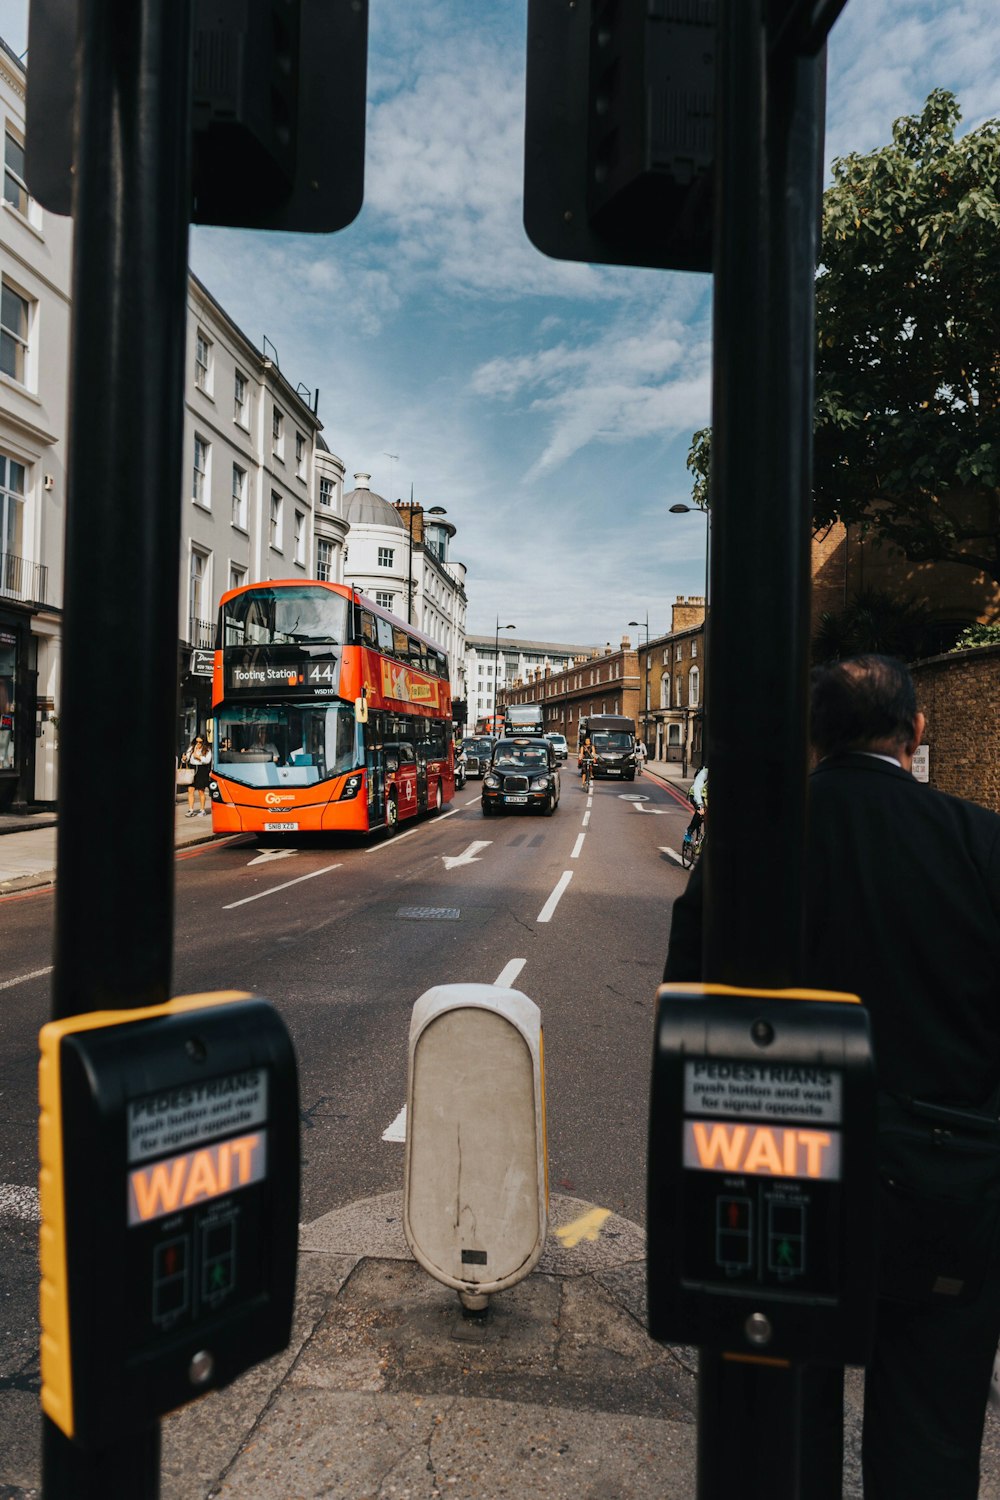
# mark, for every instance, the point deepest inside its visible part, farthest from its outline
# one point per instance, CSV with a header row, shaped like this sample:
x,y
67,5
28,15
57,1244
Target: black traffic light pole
x,y
763,1431
114,897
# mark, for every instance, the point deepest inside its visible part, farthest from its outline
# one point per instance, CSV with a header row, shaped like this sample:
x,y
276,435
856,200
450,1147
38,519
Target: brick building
x,y
606,682
960,695
673,672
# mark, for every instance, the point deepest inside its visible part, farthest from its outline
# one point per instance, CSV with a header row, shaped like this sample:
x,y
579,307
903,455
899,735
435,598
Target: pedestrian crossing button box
x,y
169,1188
761,1174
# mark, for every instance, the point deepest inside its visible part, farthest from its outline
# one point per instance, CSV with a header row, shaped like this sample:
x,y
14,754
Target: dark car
x,y
522,774
478,752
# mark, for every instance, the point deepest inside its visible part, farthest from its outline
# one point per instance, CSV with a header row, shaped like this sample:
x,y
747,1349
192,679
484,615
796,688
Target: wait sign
x,y
771,1150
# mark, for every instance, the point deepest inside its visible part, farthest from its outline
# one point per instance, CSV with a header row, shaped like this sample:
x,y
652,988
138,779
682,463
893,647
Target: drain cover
x,y
429,913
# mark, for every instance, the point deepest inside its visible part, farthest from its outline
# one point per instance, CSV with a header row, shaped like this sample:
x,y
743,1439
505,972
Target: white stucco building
x,y
399,556
494,662
35,273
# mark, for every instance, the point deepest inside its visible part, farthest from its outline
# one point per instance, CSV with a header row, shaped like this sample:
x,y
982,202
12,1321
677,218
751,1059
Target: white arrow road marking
x,y
23,978
268,854
656,812
274,889
665,849
468,856
632,797
545,915
509,973
397,1130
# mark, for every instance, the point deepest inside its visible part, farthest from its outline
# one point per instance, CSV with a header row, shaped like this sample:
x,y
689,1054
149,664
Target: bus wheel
x,y
391,814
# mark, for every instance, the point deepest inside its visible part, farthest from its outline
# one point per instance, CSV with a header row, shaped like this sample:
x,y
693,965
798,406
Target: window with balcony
x,y
15,579
275,521
202,361
385,556
241,399
324,561
239,497
15,322
200,631
199,471
14,190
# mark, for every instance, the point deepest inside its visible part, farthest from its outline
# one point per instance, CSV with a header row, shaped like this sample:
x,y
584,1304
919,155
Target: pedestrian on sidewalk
x,y
640,756
902,908
199,757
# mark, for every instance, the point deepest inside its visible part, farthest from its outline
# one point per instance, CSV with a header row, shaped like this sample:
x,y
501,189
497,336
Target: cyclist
x,y
586,762
699,796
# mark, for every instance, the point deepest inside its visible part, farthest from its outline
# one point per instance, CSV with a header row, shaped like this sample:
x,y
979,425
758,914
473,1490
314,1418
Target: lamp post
x,y
645,679
683,510
496,664
412,513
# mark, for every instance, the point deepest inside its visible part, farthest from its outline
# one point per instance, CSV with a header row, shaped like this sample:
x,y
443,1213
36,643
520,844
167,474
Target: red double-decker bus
x,y
329,713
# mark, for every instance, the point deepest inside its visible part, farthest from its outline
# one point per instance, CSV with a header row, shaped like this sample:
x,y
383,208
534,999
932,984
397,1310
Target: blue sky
x,y
548,406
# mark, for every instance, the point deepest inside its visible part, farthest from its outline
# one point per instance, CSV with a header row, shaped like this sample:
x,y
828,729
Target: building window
x,y
202,360
665,690
678,651
300,537
694,679
666,656
275,520
679,691
384,600
278,433
385,556
241,399
14,191
324,562
239,497
326,492
694,647
11,512
199,475
200,628
300,455
237,576
15,313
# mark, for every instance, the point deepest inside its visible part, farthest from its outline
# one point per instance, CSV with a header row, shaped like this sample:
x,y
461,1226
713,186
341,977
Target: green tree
x,y
876,621
907,434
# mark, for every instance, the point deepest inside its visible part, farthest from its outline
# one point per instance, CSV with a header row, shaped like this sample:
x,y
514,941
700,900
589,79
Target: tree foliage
x,y
907,432
977,635
875,621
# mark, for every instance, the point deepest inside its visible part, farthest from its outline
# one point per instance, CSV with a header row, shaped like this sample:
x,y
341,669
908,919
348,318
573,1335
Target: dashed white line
x,y
390,843
509,973
397,1130
472,803
276,888
23,978
586,819
578,846
545,915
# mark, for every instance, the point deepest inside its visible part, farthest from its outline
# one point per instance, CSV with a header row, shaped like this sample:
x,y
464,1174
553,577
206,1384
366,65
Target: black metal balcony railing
x,y
23,580
201,632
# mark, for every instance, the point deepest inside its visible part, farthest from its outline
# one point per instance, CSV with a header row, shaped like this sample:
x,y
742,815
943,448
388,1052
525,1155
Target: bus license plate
x,y
281,827
516,797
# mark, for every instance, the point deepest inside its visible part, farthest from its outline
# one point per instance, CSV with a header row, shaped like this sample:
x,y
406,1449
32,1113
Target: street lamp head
x,y
437,510
681,510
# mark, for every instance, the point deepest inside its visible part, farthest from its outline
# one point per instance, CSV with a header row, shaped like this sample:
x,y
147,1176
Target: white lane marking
x,y
590,799
276,888
509,973
472,803
632,797
586,819
397,1130
653,812
19,1202
390,842
545,915
268,854
23,978
578,846
468,856
665,849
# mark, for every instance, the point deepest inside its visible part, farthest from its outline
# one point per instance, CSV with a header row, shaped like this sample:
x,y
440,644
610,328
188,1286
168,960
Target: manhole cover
x,y
429,913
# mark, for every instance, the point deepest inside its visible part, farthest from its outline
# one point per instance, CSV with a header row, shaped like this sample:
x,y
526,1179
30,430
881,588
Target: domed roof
x,y
321,443
362,507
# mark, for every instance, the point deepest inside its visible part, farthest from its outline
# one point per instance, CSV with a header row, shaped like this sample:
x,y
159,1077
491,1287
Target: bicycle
x,y
691,848
587,775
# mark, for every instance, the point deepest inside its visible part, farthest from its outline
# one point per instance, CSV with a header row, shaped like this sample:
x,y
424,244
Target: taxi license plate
x,y
281,827
613,771
516,797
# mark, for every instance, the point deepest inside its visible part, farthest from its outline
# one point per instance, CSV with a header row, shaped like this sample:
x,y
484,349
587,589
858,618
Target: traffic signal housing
x,y
619,131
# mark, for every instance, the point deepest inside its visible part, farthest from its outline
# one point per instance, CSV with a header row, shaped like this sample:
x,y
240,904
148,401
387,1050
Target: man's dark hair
x,y
861,702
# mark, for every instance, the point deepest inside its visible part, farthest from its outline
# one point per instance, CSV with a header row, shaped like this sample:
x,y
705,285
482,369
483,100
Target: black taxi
x,y
523,773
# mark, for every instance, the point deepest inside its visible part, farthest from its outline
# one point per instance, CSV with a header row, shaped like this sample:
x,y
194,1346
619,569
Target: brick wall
x,y
960,695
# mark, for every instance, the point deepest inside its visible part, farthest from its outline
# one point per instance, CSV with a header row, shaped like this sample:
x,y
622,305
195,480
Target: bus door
x,y
375,767
401,778
421,773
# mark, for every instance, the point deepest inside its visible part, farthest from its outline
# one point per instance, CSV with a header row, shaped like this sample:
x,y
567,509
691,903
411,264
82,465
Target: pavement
x,y
386,1392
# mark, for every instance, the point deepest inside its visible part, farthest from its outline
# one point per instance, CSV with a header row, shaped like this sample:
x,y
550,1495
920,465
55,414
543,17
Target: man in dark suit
x,y
902,907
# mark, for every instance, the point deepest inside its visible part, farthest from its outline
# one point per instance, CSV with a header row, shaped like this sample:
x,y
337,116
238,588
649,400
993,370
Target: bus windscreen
x,y
289,616
286,744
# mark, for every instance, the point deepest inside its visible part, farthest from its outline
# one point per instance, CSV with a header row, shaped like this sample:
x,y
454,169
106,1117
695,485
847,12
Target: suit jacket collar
x,y
855,760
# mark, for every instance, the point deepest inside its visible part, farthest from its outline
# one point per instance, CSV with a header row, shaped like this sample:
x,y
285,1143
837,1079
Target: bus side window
x,y
369,634
384,631
417,655
400,644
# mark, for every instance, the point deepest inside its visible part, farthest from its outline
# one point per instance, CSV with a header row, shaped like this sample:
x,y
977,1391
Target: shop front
x,y
17,711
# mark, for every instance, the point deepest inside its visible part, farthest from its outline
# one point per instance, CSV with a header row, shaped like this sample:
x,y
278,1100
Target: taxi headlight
x,y
491,780
539,783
